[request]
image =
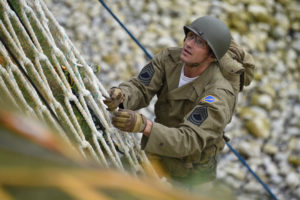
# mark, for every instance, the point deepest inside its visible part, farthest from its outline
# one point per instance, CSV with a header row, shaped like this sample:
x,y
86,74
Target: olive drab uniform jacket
x,y
190,120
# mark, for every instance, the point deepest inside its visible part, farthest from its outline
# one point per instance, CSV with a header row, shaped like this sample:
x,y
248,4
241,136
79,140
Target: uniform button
x,y
161,144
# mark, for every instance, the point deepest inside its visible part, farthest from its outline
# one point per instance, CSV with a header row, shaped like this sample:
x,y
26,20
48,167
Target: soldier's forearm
x,y
148,128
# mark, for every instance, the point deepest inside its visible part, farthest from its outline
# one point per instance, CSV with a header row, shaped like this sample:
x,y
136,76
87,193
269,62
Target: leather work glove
x,y
116,97
236,51
129,121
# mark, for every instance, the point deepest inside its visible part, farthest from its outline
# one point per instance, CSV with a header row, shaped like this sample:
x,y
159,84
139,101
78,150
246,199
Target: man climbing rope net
x,y
197,89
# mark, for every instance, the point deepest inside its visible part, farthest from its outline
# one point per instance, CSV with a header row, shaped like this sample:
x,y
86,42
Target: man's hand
x,y
128,120
116,97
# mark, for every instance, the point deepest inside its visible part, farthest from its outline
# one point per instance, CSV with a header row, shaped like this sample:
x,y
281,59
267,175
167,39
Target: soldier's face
x,y
195,51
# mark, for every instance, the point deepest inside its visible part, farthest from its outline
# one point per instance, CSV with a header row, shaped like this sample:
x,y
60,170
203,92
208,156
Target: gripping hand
x,y
116,97
129,121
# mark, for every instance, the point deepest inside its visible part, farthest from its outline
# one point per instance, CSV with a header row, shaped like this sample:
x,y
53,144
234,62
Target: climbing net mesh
x,y
41,71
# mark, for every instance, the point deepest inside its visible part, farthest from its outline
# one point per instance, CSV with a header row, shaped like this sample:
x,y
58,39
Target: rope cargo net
x,y
41,71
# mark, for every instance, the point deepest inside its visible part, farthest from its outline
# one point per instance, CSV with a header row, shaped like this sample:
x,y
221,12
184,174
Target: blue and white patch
x,y
146,74
198,116
208,99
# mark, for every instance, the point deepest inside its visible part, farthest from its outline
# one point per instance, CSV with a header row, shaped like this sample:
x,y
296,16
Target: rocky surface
x,y
266,128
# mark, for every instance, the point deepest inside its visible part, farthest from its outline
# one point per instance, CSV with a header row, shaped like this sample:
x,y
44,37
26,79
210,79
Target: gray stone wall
x,y
266,128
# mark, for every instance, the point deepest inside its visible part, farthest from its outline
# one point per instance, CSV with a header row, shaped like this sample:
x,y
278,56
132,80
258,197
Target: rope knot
x,y
85,144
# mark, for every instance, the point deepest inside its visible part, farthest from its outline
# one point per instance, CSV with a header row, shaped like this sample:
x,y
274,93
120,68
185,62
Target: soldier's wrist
x,y
148,128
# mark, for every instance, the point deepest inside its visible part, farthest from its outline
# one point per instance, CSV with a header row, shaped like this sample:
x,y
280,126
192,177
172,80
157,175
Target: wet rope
x,y
227,143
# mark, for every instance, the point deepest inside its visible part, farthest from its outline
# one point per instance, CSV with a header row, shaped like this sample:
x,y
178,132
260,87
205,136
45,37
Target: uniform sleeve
x,y
140,90
202,127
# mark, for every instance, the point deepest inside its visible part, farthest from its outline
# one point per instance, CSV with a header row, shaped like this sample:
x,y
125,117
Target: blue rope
x,y
230,147
251,171
124,27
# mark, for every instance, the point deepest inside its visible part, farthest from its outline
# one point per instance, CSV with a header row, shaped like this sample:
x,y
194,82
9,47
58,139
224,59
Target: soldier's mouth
x,y
187,51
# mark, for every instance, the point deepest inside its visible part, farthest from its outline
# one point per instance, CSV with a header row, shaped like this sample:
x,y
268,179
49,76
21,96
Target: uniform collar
x,y
173,69
193,89
205,77
174,53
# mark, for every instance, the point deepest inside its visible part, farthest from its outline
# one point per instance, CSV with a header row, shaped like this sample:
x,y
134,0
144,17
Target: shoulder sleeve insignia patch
x,y
208,99
198,116
145,76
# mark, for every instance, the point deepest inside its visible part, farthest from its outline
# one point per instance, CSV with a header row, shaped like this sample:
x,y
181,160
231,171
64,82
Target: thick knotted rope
x,y
37,58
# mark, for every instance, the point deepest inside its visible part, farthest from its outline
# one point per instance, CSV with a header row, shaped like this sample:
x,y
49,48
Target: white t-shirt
x,y
185,80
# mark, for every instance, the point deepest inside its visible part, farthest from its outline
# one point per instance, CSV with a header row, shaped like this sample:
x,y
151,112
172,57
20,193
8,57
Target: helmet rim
x,y
210,28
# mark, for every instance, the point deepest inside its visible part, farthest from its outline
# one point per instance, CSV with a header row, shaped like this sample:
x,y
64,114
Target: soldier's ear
x,y
211,54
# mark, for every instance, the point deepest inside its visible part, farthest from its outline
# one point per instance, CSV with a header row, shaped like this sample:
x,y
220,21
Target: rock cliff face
x,y
266,128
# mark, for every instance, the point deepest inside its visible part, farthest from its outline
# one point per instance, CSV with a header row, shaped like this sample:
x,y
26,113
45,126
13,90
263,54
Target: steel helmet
x,y
213,31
